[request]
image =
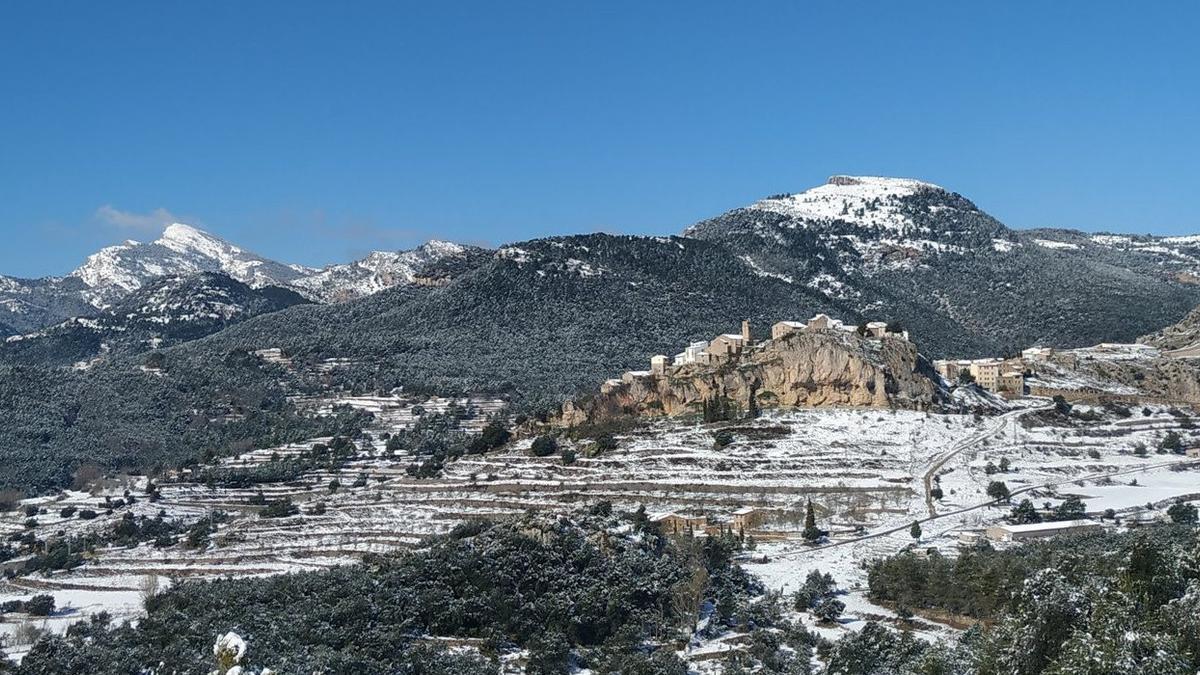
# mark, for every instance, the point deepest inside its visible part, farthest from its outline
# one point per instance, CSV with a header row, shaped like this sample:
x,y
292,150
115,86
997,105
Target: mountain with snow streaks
x,y
164,312
429,264
858,246
112,273
920,253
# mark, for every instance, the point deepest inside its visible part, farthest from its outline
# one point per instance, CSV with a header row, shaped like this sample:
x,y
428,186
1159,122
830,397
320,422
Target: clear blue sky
x,y
314,131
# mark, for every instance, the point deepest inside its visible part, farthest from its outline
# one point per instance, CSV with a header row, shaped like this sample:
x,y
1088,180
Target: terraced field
x,y
864,470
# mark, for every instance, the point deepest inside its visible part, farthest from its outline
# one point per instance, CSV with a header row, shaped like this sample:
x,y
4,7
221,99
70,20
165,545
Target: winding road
x,y
962,445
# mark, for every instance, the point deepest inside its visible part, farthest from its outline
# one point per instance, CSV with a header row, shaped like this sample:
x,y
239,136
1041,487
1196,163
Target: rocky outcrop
x,y
1181,335
801,369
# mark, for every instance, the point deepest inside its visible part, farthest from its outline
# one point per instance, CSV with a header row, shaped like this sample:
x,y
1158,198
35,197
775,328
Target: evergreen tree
x,y
998,490
811,533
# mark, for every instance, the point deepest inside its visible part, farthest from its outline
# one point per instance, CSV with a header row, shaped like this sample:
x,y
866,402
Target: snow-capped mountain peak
x,y
183,238
873,201
114,271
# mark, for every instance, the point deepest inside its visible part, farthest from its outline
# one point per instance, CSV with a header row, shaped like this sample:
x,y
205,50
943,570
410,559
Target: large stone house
x,y
675,524
784,327
730,344
995,375
748,518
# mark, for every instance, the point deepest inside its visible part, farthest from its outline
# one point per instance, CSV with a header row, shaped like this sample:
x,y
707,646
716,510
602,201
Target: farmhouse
x,y
1011,383
995,375
1037,353
748,518
629,376
1040,530
674,523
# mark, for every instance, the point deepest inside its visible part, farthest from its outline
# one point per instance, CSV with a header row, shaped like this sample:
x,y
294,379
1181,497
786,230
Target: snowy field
x,y
867,472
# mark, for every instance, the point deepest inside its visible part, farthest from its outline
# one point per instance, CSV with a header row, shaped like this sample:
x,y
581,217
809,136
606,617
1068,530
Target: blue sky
x,y
312,132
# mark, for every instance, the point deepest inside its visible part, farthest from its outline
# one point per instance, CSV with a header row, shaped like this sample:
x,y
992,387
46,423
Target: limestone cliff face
x,y
801,369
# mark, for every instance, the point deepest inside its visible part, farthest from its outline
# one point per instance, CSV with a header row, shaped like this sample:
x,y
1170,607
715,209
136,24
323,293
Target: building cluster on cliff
x,y
730,345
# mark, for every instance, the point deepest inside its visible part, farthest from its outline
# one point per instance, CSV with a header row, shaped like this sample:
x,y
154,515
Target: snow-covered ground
x,y
865,470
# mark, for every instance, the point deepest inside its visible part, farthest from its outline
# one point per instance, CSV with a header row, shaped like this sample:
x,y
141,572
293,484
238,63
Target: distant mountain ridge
x,y
164,312
113,272
900,248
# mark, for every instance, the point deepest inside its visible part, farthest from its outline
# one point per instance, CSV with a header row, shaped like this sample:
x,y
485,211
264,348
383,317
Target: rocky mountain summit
x,y
814,368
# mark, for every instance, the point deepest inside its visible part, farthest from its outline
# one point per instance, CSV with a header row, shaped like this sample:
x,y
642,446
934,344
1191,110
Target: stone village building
x,y
728,345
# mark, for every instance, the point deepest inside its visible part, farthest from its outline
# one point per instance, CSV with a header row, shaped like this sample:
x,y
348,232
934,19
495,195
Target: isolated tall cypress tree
x,y
811,533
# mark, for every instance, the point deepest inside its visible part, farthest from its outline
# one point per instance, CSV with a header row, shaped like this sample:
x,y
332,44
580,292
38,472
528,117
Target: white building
x,y
696,352
1037,353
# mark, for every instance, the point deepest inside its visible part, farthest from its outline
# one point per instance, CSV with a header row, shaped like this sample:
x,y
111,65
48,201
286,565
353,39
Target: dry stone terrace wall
x,y
801,369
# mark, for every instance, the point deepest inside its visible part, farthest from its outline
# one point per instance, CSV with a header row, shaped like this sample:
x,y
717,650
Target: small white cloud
x,y
152,222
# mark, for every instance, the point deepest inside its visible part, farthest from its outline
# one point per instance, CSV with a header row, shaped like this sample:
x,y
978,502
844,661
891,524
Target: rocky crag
x,y
815,368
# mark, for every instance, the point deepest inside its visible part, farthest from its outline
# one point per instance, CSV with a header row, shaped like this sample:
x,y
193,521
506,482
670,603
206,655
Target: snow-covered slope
x,y
863,223
114,271
384,269
865,200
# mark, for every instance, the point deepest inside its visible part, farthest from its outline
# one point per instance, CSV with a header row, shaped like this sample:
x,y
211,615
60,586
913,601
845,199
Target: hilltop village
x,y
726,347
819,363
825,362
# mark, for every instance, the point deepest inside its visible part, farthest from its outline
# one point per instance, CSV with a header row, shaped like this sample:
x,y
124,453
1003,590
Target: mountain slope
x,y
908,249
29,304
429,264
166,311
1180,335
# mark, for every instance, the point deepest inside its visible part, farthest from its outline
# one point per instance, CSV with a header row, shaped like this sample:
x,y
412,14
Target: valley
x,y
867,487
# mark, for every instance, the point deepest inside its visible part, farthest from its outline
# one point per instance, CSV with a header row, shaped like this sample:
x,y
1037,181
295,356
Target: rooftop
x,y
1045,527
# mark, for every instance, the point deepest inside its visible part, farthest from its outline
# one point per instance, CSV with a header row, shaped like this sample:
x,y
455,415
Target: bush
x,y
87,514
997,490
40,605
1183,513
280,508
543,446
722,439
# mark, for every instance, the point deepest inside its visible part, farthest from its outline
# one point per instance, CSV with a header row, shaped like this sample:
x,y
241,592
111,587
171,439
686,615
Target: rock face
x,y
800,369
1181,335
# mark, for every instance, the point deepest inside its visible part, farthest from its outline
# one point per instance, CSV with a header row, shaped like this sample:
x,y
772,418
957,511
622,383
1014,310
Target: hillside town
x,y
727,346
